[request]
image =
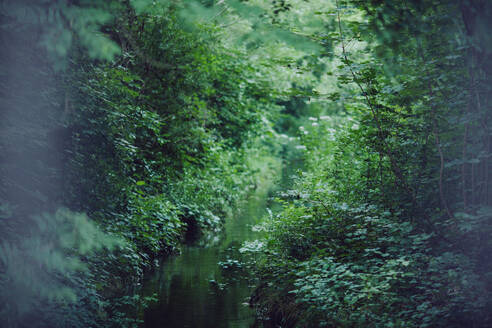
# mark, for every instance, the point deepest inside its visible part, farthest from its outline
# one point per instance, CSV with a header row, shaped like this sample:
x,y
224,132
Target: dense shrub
x,y
124,112
389,225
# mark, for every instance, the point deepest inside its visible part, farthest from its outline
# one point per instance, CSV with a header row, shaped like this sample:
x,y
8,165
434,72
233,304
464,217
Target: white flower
x,y
315,124
312,119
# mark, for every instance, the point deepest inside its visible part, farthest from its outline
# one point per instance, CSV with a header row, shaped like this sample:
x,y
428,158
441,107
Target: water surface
x,y
195,291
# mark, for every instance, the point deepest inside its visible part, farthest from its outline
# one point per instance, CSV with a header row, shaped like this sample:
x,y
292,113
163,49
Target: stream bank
x,y
207,284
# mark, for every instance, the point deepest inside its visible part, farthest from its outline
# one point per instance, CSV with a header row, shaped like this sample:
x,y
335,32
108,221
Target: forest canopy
x,y
131,127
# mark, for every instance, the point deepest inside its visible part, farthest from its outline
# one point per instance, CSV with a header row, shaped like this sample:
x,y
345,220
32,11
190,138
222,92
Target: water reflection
x,y
194,291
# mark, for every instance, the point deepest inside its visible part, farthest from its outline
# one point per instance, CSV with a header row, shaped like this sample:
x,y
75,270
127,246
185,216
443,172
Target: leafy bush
x,y
120,111
46,265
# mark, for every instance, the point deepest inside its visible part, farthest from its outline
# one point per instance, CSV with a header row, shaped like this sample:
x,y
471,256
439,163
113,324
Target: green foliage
x,y
153,224
387,226
46,262
151,117
148,129
55,25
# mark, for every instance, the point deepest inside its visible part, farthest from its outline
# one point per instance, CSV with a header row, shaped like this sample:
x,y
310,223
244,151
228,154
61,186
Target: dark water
x,y
194,290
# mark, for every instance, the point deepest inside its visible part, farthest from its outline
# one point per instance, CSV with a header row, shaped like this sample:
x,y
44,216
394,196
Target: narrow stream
x,y
203,286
